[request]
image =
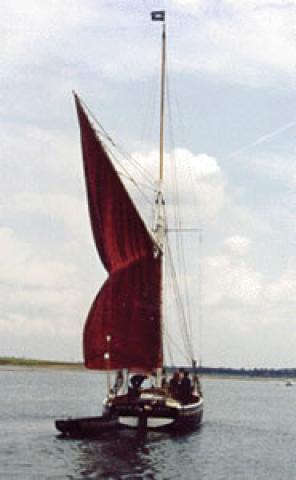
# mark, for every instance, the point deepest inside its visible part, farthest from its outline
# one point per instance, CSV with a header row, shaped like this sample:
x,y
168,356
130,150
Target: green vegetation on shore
x,y
29,362
206,371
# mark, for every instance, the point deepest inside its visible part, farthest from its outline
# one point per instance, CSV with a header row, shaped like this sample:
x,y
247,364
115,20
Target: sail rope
x,y
127,175
102,133
172,276
178,217
132,180
183,307
170,342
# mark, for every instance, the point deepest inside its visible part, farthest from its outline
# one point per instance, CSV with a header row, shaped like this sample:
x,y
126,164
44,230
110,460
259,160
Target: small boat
x,y
289,383
124,331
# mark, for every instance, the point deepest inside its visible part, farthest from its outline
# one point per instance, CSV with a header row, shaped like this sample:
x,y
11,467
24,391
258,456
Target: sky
x,y
231,124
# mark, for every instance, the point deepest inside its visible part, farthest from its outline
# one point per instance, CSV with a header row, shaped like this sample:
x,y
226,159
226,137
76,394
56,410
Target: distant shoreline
x,y
208,372
29,362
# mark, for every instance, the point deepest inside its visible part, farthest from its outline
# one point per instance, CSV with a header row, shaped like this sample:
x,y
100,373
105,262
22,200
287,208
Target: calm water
x,y
249,432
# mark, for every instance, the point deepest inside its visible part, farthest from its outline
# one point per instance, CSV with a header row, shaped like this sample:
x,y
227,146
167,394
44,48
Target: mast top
x,y
158,15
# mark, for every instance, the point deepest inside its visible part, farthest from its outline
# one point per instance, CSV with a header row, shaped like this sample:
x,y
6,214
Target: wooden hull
x,y
151,411
172,419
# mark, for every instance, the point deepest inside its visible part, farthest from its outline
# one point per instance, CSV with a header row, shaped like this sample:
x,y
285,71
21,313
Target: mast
x,y
160,224
162,105
159,227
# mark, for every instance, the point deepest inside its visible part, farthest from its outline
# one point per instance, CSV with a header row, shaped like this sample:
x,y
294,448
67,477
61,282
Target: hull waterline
x,y
136,415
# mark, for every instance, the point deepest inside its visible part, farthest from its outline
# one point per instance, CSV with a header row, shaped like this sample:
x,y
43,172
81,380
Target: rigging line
x,y
179,240
141,170
104,133
182,263
185,351
172,92
128,175
171,101
132,180
170,341
179,114
167,348
185,333
94,118
177,216
189,304
191,176
176,346
184,230
172,164
169,355
175,293
200,299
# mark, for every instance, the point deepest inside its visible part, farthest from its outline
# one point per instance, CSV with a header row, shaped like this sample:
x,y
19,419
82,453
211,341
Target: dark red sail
x,y
127,308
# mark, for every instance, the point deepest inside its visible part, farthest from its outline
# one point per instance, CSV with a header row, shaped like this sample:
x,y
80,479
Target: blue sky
x,y
232,96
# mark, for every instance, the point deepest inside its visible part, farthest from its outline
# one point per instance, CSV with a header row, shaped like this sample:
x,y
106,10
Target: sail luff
x,y
127,308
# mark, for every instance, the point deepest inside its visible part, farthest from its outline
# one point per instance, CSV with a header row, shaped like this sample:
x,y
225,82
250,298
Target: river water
x,y
249,432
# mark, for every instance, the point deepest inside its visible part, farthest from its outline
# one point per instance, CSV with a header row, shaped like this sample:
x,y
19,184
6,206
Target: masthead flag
x,y
158,16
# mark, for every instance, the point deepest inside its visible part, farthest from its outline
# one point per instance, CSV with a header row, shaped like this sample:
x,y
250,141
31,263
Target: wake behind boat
x,y
124,331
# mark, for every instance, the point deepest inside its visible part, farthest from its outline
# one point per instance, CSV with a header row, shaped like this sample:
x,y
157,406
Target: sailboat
x,y
123,334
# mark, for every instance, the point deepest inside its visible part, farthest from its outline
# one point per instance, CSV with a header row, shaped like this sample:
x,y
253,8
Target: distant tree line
x,y
242,372
214,371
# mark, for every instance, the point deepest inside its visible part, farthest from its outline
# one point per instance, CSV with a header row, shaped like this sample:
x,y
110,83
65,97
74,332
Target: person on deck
x,y
136,382
118,382
185,388
174,384
164,382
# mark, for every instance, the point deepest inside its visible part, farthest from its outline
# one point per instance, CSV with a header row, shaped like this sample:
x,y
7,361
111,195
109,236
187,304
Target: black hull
x,y
134,416
139,414
159,417
95,427
86,427
188,422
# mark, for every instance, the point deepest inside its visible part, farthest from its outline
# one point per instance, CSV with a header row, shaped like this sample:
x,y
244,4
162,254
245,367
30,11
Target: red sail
x,y
127,308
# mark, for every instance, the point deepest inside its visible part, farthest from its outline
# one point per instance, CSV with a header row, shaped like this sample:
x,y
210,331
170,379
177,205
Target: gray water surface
x,y
249,432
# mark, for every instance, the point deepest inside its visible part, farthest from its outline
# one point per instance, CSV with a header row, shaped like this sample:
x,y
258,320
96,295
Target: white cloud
x,y
10,249
283,289
194,182
36,26
231,280
190,6
240,41
279,168
199,166
40,159
68,212
238,245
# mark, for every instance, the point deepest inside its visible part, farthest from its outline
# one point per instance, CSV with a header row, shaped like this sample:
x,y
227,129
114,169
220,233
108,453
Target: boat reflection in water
x,y
131,455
